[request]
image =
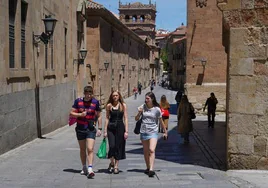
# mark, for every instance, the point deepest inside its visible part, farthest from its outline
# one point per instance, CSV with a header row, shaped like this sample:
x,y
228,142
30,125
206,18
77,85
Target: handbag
x,y
192,113
113,125
138,126
102,150
72,120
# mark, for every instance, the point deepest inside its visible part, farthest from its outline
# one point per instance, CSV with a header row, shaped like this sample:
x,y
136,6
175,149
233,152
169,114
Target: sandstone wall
x,y
55,82
246,39
198,95
204,31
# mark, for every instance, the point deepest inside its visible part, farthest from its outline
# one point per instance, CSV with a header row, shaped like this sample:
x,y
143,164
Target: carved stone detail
x,y
201,3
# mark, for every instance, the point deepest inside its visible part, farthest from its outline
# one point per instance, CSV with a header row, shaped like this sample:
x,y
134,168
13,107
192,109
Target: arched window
x,y
127,18
142,18
134,18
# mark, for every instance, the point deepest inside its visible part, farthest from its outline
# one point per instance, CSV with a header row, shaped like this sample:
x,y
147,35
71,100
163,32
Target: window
x,y
24,7
142,18
12,14
46,57
134,18
127,18
65,48
52,50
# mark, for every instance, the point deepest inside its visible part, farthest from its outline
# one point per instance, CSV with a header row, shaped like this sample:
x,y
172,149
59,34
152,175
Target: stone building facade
x,y
40,81
113,43
36,80
176,47
204,31
245,36
141,18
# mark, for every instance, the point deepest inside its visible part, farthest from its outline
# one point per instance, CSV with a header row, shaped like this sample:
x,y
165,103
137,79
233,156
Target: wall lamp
x,y
50,24
123,68
106,65
82,54
203,62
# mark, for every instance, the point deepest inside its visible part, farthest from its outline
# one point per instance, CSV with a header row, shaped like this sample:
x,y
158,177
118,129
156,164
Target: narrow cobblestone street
x,y
54,161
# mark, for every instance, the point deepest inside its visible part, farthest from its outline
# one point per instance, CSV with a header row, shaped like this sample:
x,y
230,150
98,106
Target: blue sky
x,y
170,13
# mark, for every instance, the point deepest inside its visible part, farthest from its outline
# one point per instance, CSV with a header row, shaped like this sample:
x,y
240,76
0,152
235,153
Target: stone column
x,y
245,38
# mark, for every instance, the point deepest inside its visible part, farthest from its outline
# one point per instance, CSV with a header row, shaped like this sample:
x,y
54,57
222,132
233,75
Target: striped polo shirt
x,y
91,107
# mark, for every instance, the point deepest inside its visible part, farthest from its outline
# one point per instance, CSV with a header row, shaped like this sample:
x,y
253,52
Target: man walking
x,y
87,109
211,103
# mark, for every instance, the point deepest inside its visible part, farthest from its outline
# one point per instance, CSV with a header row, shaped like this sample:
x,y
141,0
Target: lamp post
x,y
50,24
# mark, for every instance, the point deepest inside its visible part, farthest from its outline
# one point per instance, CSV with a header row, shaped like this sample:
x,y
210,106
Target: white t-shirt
x,y
150,118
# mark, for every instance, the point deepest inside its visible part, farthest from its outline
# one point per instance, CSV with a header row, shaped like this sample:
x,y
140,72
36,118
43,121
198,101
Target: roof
x,y
137,5
179,31
178,40
94,5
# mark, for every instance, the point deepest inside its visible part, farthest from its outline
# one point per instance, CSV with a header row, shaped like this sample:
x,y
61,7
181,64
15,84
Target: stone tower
x,y
140,18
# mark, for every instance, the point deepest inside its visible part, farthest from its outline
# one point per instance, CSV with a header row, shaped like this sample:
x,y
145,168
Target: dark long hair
x,y
120,100
152,96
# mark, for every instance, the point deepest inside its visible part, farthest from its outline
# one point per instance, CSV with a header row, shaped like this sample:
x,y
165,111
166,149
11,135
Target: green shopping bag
x,y
102,150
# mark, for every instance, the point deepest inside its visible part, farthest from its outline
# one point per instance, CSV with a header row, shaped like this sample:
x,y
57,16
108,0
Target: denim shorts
x,y
83,134
147,136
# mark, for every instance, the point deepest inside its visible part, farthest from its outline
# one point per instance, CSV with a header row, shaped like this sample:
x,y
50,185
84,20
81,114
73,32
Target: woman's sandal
x,y
116,171
111,167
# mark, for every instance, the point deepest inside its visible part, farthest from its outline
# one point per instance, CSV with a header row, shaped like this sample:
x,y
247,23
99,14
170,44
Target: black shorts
x,y
165,117
83,134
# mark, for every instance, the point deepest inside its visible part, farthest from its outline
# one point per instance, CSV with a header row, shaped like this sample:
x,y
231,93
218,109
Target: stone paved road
x,y
54,161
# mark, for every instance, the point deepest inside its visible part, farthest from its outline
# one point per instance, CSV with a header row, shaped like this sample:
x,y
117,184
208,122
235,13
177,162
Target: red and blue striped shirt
x,y
91,107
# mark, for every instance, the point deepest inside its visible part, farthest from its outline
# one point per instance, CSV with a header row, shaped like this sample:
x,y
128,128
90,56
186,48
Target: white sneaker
x,y
84,171
91,173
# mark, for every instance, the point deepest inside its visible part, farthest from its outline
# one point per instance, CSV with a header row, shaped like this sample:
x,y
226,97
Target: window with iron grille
x,y
52,50
24,7
46,58
12,14
65,48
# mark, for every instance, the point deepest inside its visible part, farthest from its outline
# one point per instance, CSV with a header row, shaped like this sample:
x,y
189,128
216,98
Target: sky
x,y
170,13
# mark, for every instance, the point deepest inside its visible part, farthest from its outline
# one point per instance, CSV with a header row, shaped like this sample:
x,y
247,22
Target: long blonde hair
x,y
164,103
121,100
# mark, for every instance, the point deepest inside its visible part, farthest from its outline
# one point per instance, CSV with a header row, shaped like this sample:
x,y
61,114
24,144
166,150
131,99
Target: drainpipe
x,y
37,96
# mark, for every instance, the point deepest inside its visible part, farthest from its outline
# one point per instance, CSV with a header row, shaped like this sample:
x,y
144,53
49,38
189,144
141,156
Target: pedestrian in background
x,y
185,125
139,88
116,128
87,110
135,92
211,103
164,105
151,114
178,98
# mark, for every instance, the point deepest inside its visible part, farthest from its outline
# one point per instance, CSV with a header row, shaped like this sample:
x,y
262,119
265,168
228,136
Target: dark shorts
x,y
83,134
165,117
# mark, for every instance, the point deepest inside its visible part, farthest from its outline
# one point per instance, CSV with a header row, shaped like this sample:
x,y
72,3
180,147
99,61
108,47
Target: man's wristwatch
x,y
100,129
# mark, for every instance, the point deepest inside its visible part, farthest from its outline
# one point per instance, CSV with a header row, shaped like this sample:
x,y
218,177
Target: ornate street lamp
x,y
50,24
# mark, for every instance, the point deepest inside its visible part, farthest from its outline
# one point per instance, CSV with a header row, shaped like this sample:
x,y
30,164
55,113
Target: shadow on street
x,y
207,146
